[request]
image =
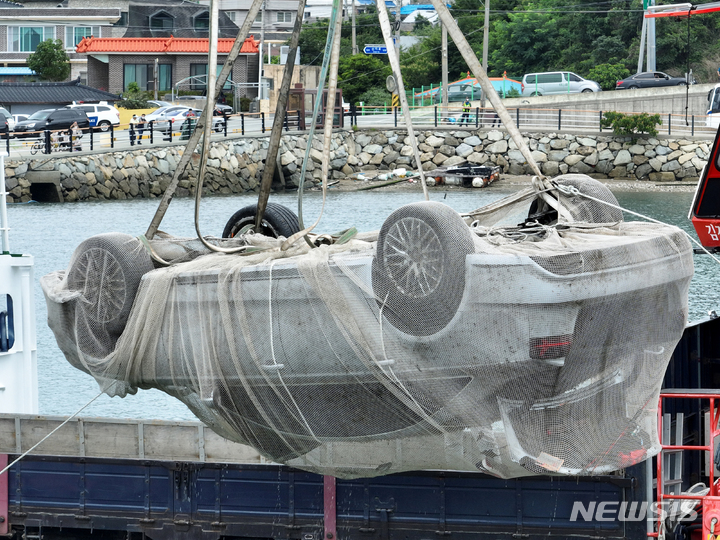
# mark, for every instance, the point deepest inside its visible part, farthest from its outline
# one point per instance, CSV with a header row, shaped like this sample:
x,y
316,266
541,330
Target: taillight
x,y
618,83
550,347
522,87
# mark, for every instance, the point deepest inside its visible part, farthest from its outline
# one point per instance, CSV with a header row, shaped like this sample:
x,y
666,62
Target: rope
x,y
52,432
572,190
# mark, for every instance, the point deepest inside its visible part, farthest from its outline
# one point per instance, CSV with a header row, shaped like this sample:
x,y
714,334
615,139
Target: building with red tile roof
x,y
113,63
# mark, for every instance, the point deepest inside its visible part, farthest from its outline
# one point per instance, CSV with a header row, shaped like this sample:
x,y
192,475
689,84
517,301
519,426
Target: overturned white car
x,y
441,341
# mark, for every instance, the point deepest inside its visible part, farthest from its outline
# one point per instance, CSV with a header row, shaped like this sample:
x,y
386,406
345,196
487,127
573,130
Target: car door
x,y
662,79
91,114
61,119
644,80
551,83
574,82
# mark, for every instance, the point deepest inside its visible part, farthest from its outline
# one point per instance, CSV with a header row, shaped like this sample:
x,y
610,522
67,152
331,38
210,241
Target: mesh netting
x,y
536,348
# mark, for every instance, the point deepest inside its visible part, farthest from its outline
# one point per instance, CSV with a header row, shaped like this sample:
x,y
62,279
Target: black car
x,y
51,119
650,79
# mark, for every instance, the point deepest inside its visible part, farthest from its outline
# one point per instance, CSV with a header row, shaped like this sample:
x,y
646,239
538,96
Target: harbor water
x,y
50,232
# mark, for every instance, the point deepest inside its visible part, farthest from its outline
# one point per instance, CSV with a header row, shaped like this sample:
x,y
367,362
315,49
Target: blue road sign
x,y
375,49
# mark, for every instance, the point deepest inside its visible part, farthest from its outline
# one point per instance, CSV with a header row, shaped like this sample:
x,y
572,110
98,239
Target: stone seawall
x,y
235,165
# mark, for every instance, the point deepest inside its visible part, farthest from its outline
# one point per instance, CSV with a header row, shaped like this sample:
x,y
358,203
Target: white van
x,y
556,82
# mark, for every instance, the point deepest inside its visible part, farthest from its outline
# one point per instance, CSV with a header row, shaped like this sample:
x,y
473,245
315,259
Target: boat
x,y
477,176
523,338
18,347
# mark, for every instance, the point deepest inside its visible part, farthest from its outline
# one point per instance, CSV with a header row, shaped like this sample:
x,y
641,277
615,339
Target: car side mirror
x,y
667,77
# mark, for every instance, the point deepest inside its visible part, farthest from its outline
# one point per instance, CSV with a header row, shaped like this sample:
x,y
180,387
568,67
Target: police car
x,y
101,114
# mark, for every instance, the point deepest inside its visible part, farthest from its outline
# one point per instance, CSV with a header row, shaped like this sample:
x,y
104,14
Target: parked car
x,y
458,93
52,119
159,103
178,114
100,114
556,82
9,121
650,79
222,108
20,118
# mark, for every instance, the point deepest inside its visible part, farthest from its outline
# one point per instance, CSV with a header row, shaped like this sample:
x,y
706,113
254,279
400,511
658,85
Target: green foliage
x,y
630,125
50,61
511,93
375,96
358,73
134,98
245,104
607,75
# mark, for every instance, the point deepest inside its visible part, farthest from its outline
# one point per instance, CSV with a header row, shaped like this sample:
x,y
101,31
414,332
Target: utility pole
x,y
354,41
486,33
262,59
651,41
444,87
397,27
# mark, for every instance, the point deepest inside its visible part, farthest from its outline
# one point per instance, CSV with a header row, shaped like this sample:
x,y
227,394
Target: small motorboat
x,y
522,338
477,176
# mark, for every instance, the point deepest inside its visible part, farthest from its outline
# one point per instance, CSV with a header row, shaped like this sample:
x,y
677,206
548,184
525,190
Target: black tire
x,y
104,125
586,91
633,87
581,208
418,273
278,221
107,269
587,210
682,84
535,94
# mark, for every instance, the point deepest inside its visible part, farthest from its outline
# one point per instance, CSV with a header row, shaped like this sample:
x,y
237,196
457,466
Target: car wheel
x,y
535,94
633,87
586,90
218,127
106,269
418,273
104,125
682,84
277,221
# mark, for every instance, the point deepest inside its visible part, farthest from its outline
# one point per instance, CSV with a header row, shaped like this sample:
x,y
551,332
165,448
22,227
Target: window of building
x,y
143,75
199,70
202,22
27,38
306,15
161,21
284,16
123,20
231,15
7,323
75,34
258,18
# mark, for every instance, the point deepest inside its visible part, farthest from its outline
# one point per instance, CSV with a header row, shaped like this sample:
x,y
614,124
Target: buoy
x,y
477,182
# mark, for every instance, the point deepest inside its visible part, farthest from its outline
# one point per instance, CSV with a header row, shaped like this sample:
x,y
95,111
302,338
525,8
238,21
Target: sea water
x,y
51,232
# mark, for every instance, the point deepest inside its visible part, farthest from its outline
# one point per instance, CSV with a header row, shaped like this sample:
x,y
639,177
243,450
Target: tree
x,y
50,61
607,75
358,73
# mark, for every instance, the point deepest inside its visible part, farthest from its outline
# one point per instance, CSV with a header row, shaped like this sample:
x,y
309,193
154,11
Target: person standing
x,y
76,135
466,111
132,126
141,127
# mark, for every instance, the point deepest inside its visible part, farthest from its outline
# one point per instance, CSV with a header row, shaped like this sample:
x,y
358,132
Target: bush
x,y
244,104
134,98
607,75
630,125
375,96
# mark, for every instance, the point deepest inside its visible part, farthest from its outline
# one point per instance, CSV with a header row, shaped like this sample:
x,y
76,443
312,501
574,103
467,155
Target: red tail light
x,y
618,83
550,347
522,87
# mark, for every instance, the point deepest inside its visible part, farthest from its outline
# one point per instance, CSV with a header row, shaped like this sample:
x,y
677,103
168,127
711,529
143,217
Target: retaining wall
x,y
235,166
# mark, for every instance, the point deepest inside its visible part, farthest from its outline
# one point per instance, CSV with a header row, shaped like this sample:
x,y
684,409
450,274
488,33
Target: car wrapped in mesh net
x,y
442,341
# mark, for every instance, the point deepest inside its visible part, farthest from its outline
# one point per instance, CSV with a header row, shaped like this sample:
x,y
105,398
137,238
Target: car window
x,y
549,78
40,115
103,108
87,108
63,115
644,76
5,112
575,78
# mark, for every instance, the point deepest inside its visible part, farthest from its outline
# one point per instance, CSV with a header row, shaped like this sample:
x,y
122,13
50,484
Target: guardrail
x,y
535,119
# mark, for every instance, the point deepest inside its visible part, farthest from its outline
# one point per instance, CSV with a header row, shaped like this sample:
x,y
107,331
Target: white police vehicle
x,y
101,114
